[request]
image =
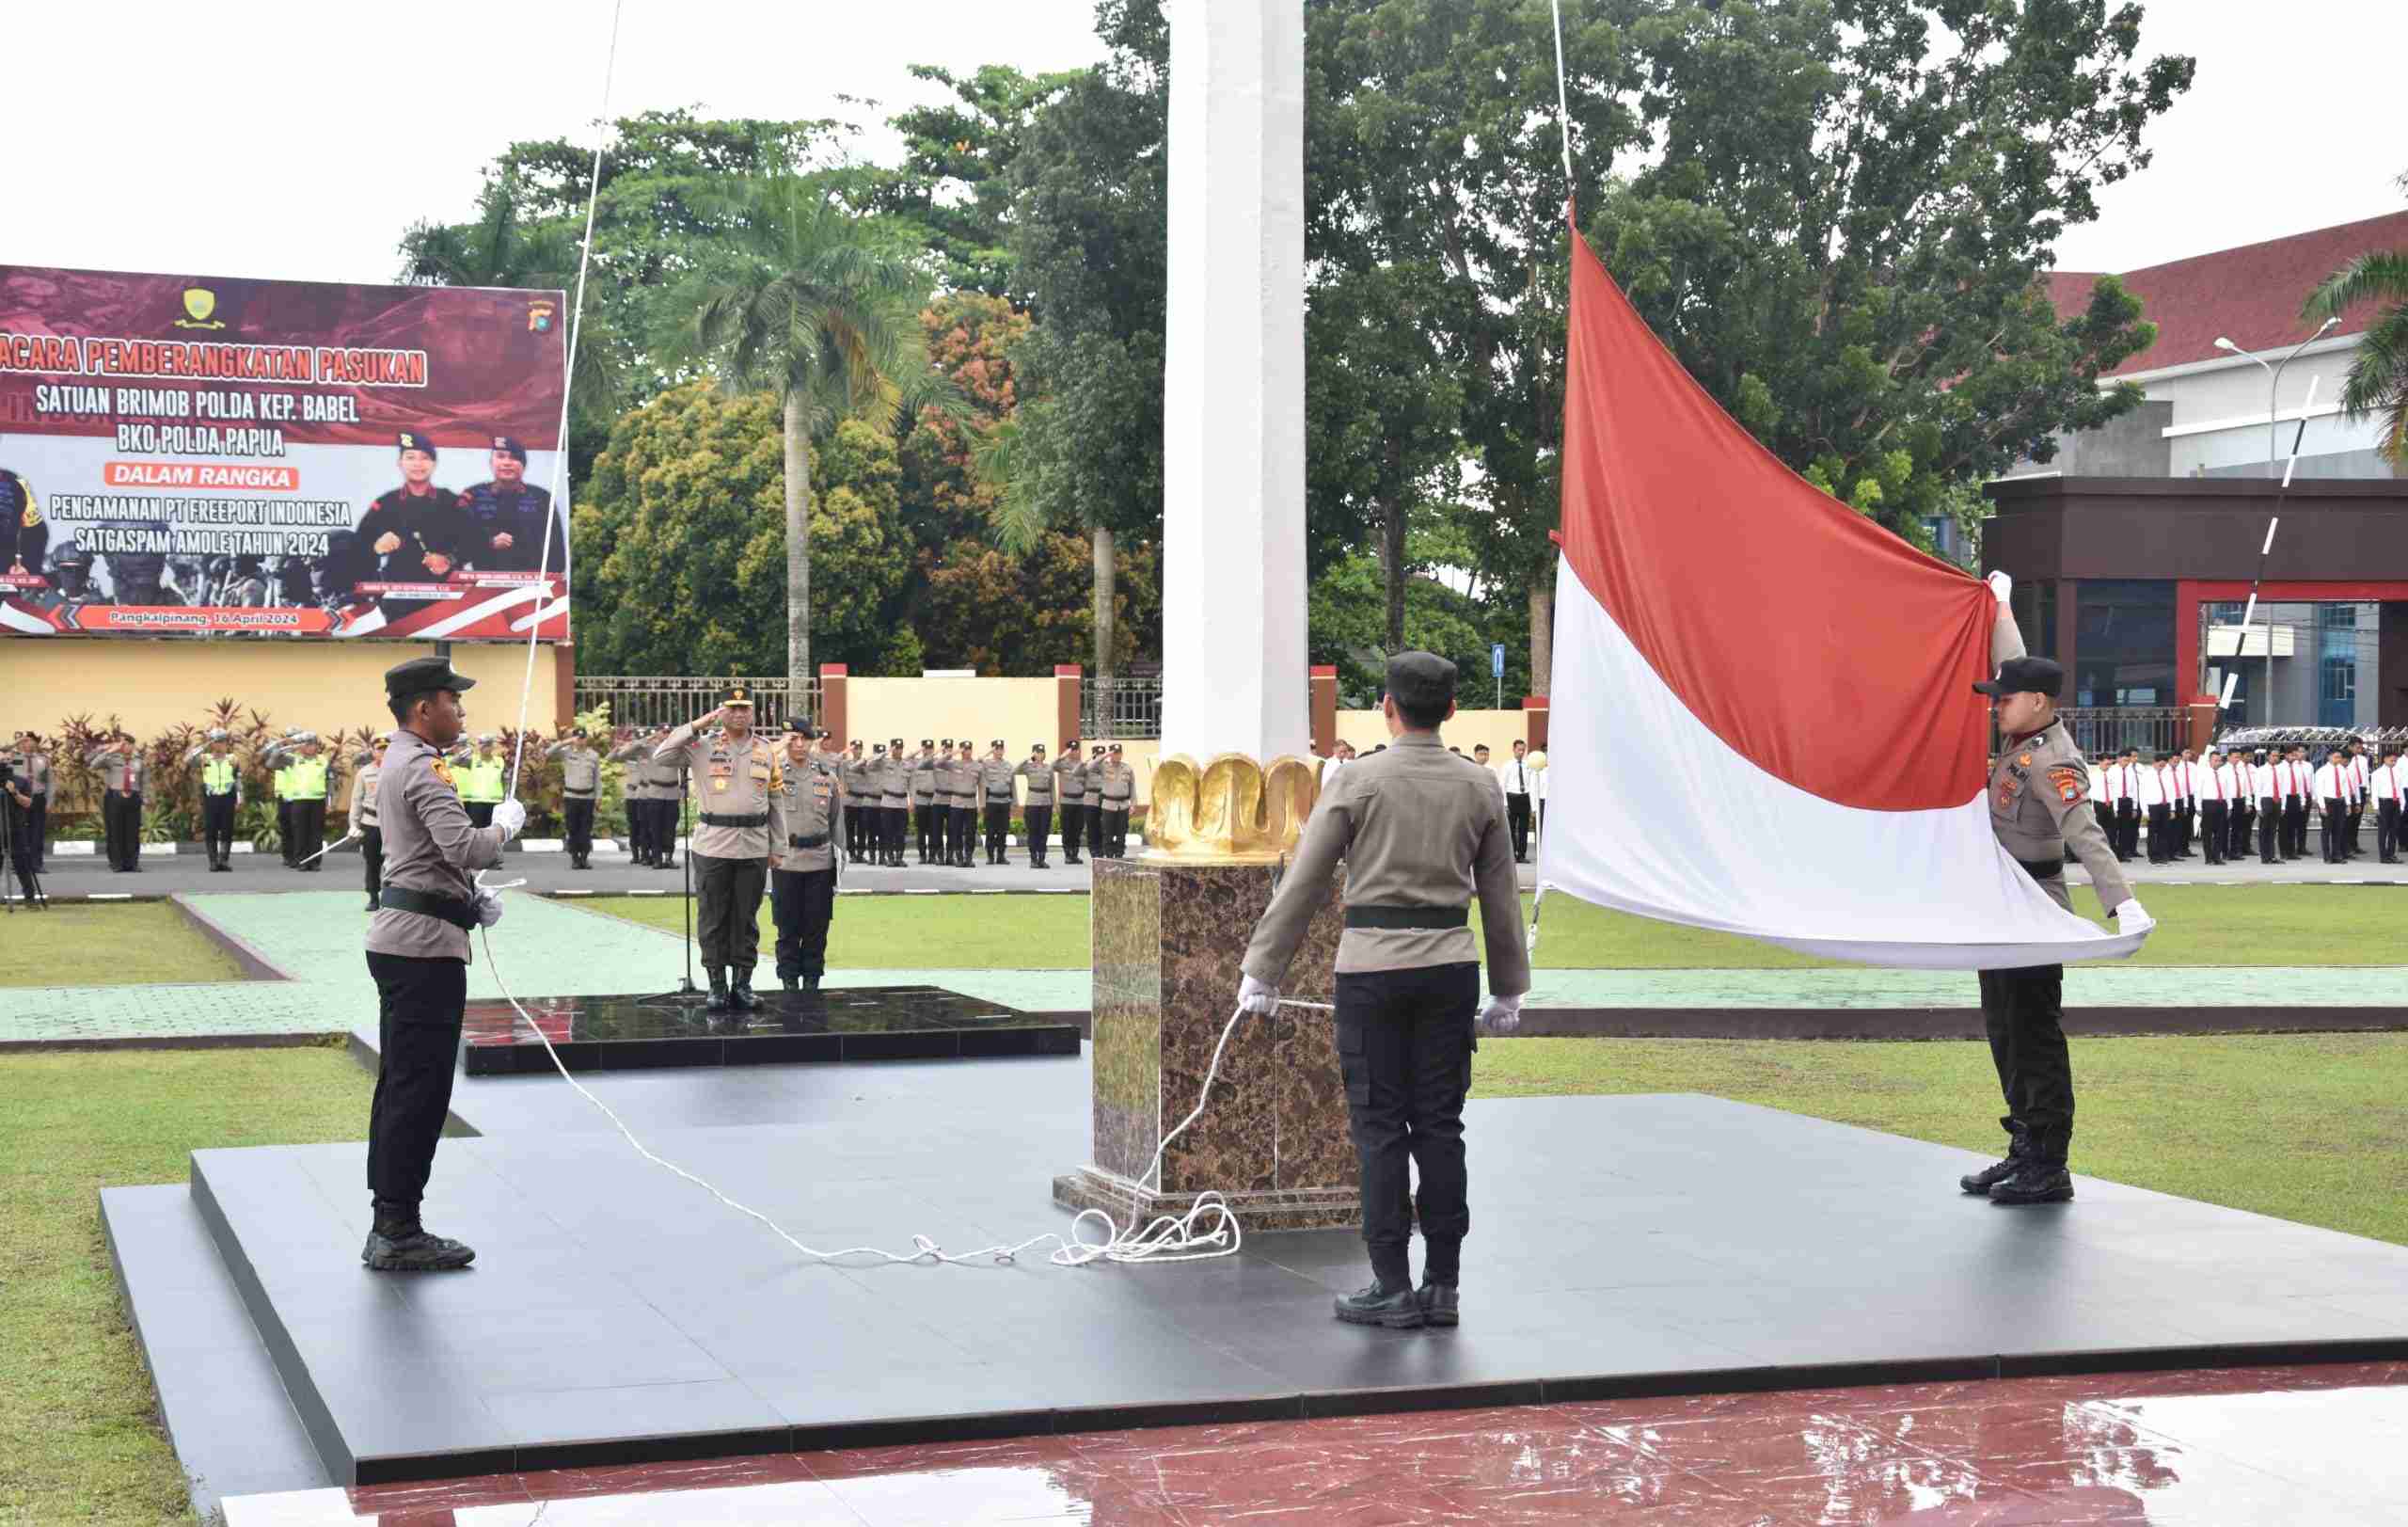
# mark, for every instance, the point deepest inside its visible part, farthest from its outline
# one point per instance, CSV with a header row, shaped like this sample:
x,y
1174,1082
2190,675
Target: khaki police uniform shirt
x,y
810,799
1069,781
120,770
893,778
1040,775
731,779
580,770
852,770
1118,784
948,781
2039,795
924,778
364,794
633,752
430,846
995,781
33,774
1418,827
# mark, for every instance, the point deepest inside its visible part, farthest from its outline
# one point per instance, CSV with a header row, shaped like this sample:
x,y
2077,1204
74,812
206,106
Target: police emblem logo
x,y
539,319
499,443
2068,783
443,773
199,302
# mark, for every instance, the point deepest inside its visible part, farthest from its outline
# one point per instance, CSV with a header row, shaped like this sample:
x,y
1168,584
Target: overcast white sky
x,y
284,138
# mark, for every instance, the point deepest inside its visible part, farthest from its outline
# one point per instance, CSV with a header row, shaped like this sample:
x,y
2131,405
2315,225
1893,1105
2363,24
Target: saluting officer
x,y
221,795
1038,805
924,803
121,770
2039,795
803,885
1071,791
1423,832
852,773
995,792
1091,775
418,951
482,781
667,805
634,749
580,783
364,780
965,804
894,803
738,839
1117,785
33,781
309,784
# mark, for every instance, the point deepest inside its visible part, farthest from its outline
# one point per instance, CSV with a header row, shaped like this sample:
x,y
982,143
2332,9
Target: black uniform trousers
x,y
1518,820
2024,1011
419,1002
896,818
121,821
1112,841
1040,823
308,828
2270,823
960,830
2160,835
217,826
2386,831
2357,813
727,916
664,829
1404,1044
922,825
371,855
16,844
284,834
2128,827
2333,831
577,817
999,827
2213,828
1074,821
2295,827
800,904
37,829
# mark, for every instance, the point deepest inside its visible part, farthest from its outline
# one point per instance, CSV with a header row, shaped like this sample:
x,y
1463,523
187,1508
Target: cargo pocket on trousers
x,y
1351,1065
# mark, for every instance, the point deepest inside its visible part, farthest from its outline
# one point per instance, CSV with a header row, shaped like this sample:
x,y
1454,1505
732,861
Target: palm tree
x,y
1007,457
2378,379
823,311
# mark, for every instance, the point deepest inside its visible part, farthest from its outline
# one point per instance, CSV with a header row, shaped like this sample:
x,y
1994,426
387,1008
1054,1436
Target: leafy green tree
x,y
824,313
953,188
691,500
2378,380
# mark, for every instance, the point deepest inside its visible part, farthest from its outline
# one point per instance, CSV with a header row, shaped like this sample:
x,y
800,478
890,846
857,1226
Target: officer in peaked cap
x,y
2040,798
418,951
894,781
505,514
739,836
802,887
1422,833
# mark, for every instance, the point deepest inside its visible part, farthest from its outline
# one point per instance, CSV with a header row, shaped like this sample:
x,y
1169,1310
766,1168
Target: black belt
x,y
460,914
1408,916
1121,802
816,840
2040,870
714,818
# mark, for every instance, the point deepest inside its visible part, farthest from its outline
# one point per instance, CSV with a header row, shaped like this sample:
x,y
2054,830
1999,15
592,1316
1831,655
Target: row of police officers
x,y
950,801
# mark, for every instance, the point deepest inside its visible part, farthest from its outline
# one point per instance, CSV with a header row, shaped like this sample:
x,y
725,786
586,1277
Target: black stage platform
x,y
859,1023
1620,1245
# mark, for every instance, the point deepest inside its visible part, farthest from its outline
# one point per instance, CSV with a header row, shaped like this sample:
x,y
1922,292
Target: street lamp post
x,y
2274,384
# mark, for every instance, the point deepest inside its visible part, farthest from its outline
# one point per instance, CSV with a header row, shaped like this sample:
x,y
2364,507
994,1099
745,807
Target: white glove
x,y
488,905
511,817
2130,918
1254,998
2000,584
1502,1015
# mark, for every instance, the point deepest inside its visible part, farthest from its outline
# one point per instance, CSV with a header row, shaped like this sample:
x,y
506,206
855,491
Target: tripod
x,y
687,991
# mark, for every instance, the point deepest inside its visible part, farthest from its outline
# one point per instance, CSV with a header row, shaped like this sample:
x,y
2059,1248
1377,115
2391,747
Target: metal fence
x,y
672,702
1128,708
2102,730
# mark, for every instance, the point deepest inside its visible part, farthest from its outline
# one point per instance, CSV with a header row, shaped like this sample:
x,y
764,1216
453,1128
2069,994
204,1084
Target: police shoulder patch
x,y
2069,781
443,772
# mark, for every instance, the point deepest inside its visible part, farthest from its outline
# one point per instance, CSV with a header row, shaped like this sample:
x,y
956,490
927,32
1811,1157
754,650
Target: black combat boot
x,y
2018,1144
790,983
1441,1303
2042,1178
718,1001
1398,1308
398,1243
811,983
742,996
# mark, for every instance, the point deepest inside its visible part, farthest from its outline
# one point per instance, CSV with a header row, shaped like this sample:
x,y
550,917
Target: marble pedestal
x,y
1168,936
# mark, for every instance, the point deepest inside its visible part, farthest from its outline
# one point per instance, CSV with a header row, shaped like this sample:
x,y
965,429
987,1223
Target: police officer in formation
x,y
483,777
1071,792
633,748
31,766
580,783
925,802
959,778
893,777
2039,797
369,771
302,769
995,774
803,882
417,952
1115,786
1037,781
122,771
852,772
738,839
1422,833
221,795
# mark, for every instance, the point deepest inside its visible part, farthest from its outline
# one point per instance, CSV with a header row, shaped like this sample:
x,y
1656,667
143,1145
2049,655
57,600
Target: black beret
x,y
412,440
1421,680
504,446
421,676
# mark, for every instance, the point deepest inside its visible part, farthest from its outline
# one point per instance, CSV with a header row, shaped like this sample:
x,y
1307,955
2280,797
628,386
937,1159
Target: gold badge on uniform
x,y
2025,760
443,773
2068,781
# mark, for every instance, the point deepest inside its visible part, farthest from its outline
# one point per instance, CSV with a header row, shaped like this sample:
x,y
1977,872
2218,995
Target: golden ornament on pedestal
x,y
1231,810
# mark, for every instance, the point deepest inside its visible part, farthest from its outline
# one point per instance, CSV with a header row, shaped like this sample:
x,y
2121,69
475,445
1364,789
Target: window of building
x,y
2124,643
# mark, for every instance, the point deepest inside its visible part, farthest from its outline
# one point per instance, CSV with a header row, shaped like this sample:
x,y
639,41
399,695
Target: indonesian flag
x,y
1763,717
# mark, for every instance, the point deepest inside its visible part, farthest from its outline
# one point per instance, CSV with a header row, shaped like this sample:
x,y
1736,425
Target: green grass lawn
x,y
918,932
122,944
72,1390
2197,925
2305,1127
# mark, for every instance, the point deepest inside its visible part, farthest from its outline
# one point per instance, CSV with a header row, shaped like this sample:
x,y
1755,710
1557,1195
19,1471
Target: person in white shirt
x,y
2353,763
1518,776
2297,788
2330,783
2149,791
1480,755
2214,786
1340,754
2266,789
2186,803
2123,786
2388,784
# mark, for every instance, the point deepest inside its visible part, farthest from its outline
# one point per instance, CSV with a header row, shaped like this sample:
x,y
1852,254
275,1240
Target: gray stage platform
x,y
1624,1244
